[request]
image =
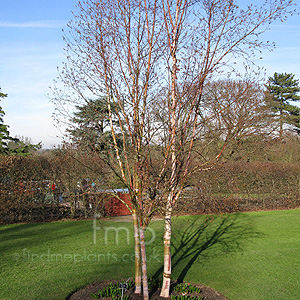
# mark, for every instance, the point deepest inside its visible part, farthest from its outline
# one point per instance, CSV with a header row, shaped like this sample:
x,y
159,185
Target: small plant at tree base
x,y
185,288
194,289
130,284
113,290
185,297
181,288
154,283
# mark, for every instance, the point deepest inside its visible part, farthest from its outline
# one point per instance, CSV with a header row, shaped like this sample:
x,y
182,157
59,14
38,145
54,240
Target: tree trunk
x,y
280,123
137,251
165,290
144,264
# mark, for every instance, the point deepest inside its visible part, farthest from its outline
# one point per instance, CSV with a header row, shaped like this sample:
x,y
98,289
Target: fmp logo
x,y
120,234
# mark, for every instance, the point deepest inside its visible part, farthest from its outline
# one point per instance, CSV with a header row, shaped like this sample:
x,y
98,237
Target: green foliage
x,y
283,88
10,145
4,133
186,288
22,148
113,290
91,126
154,283
130,284
185,297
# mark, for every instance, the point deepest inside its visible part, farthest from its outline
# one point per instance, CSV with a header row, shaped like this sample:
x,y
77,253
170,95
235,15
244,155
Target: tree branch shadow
x,y
205,237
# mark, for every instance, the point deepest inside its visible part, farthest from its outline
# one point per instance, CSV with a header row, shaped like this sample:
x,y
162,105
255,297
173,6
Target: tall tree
x,y
152,59
283,88
4,133
203,36
121,41
10,145
236,108
90,124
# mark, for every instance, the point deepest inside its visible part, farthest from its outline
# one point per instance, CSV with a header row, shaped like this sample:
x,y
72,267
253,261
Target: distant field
x,y
244,256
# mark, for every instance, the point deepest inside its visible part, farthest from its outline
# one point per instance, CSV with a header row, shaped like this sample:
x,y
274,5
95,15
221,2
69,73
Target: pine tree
x,y
90,124
281,89
4,133
10,145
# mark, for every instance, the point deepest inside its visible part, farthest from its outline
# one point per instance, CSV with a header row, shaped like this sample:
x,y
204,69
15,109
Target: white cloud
x,y
25,74
34,24
39,128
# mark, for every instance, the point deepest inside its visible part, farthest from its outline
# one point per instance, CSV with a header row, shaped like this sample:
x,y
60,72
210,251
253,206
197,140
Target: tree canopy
x,y
90,125
10,145
4,133
281,89
153,60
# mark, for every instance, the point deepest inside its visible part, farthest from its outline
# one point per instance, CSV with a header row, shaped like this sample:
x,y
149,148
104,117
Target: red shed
x,y
115,207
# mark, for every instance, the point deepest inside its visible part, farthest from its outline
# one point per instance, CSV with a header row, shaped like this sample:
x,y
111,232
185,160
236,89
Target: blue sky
x,y
30,52
31,49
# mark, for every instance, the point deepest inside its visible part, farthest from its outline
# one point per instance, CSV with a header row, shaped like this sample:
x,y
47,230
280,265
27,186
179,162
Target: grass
x,y
244,256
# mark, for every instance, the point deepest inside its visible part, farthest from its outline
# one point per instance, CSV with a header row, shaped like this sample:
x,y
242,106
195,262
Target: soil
x,y
206,293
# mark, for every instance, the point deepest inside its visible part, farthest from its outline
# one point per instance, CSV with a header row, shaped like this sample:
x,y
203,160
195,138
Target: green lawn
x,y
244,256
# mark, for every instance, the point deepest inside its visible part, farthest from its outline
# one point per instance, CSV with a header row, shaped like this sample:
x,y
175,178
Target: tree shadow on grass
x,y
206,237
20,236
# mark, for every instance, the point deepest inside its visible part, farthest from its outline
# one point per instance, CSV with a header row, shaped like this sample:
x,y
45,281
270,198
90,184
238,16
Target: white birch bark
x,y
144,264
137,251
165,291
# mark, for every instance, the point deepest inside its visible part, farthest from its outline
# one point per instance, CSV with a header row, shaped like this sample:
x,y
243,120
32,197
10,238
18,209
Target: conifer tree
x,y
281,89
90,124
4,133
10,145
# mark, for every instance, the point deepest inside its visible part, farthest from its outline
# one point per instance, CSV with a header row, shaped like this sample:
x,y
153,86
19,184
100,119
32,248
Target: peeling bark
x,y
165,290
137,251
144,264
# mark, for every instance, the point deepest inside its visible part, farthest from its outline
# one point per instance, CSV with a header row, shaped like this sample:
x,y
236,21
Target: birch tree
x,y
152,59
203,38
114,50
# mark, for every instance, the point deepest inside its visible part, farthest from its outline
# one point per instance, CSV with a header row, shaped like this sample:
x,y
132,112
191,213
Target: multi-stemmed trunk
x,y
144,263
140,257
165,291
173,43
137,252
